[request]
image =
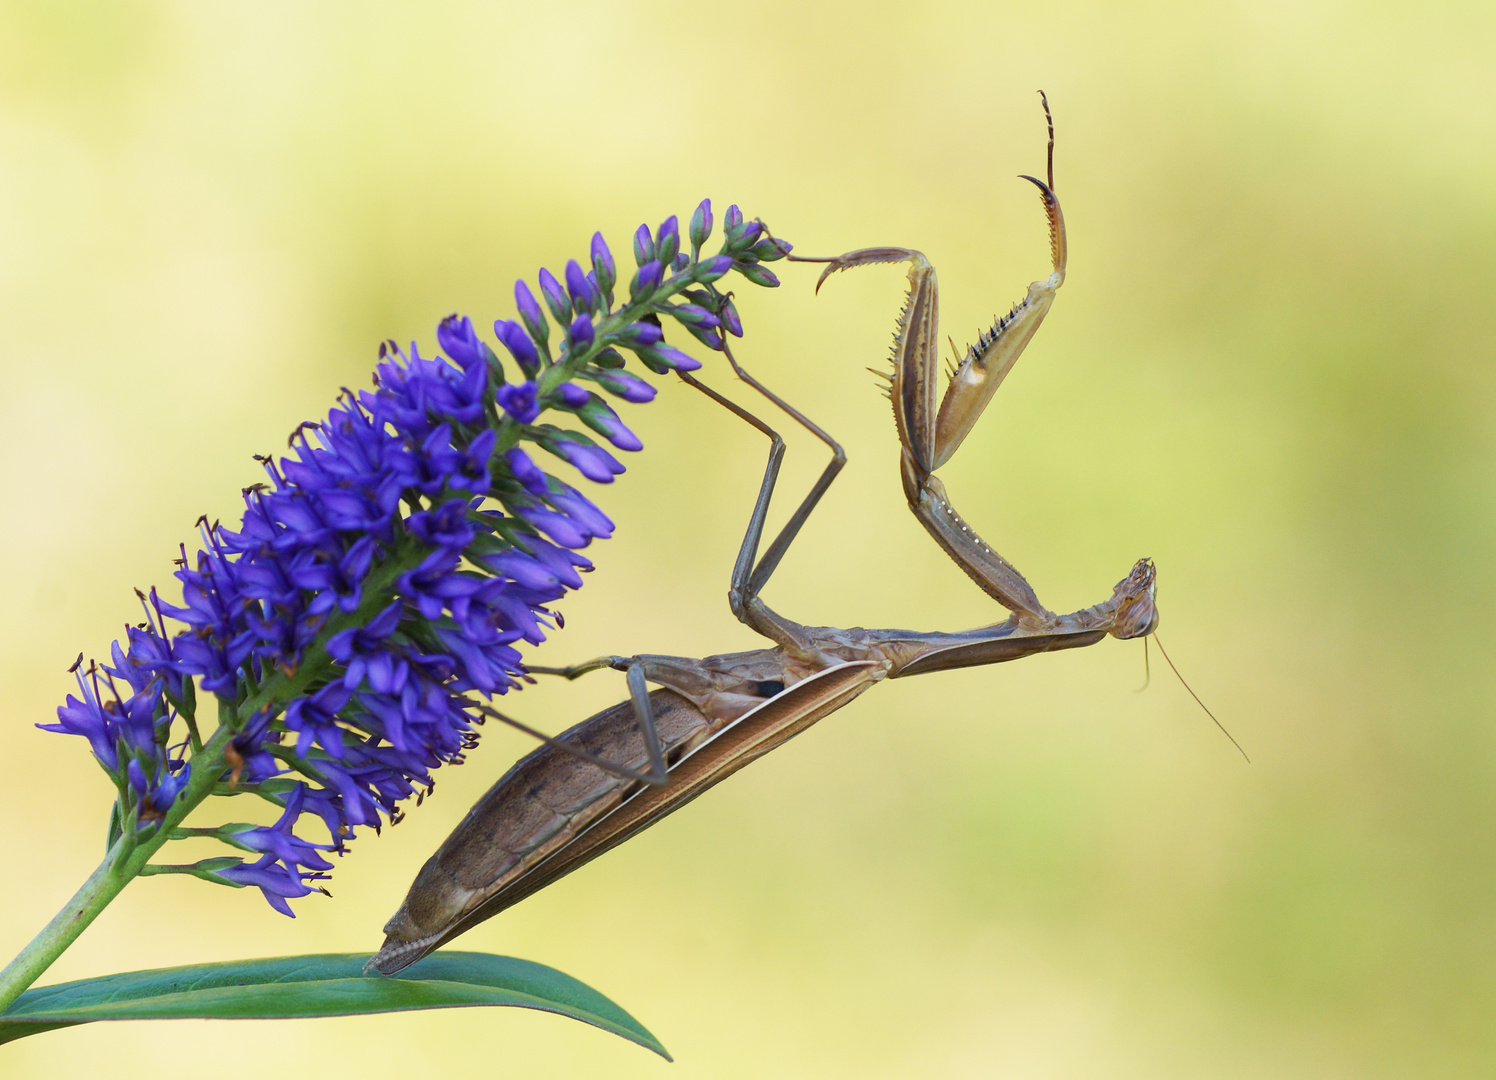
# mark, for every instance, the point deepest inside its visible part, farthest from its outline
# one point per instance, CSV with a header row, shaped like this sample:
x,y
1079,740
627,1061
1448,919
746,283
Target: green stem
x,y
67,924
123,863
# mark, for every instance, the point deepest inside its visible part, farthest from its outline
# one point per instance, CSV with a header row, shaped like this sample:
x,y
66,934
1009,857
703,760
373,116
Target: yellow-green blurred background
x,y
1270,370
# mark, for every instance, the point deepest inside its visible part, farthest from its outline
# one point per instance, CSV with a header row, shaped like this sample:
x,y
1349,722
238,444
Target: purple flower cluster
x,y
126,732
394,564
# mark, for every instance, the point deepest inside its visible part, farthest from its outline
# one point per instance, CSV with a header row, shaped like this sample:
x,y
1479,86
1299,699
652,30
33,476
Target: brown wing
x,y
772,724
517,839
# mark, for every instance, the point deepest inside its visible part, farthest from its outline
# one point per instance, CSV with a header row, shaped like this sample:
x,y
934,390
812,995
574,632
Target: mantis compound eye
x,y
1138,620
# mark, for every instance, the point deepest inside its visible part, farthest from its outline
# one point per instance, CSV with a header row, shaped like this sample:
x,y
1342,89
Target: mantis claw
x,y
1057,251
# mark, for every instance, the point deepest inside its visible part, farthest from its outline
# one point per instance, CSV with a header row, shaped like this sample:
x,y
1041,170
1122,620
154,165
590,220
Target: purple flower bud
x,y
701,223
640,333
625,385
580,509
580,333
518,400
744,234
682,260
734,218
713,268
646,281
667,243
772,249
555,297
528,571
759,275
526,471
593,462
583,298
606,421
662,358
644,245
456,337
677,359
558,527
710,336
730,321
564,564
573,396
602,264
519,345
695,314
529,311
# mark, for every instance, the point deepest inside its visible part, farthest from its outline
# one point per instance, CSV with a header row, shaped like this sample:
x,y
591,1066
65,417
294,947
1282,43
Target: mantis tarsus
x,y
620,771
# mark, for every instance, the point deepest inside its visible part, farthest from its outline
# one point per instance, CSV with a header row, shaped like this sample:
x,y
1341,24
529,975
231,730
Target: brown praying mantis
x,y
600,782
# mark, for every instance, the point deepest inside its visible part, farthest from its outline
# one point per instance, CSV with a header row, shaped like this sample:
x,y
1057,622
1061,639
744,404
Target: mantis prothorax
x,y
620,771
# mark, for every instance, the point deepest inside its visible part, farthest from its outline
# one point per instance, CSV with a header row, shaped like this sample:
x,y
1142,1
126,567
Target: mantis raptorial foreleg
x,y
929,436
557,808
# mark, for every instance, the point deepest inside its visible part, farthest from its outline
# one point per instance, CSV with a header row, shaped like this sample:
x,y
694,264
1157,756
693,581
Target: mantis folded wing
x,y
625,768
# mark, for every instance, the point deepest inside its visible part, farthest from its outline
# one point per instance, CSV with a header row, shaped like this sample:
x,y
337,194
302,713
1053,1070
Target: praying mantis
x,y
602,781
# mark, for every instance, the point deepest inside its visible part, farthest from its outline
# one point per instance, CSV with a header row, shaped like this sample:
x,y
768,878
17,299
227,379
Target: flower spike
x,y
391,567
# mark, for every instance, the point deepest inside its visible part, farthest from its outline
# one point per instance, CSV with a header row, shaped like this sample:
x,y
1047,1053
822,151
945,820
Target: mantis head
x,y
1137,607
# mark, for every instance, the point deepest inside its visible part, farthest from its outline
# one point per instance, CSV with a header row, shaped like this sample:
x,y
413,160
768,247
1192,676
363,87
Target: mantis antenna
x,y
1194,695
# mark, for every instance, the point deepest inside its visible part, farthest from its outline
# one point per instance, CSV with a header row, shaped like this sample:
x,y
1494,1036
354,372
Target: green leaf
x,y
328,984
